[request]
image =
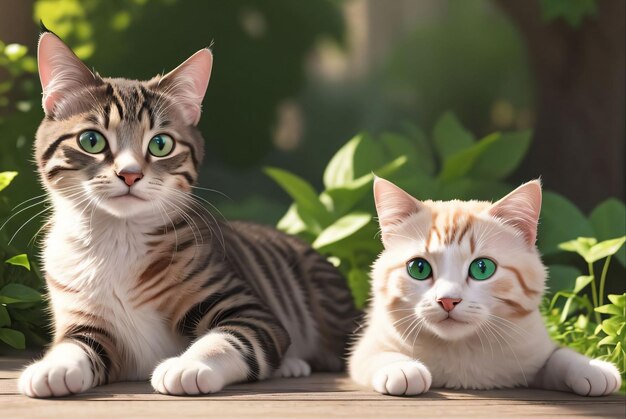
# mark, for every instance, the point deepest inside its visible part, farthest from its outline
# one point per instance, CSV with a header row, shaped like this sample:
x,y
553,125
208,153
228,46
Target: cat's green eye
x,y
92,142
482,268
419,269
161,145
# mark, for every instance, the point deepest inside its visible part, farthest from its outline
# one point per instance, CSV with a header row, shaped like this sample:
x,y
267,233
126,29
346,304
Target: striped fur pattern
x,y
144,283
493,336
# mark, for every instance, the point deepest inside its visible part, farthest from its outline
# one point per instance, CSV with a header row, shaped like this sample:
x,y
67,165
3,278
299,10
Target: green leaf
x,y
572,11
603,249
597,330
502,157
591,250
5,319
346,197
344,227
302,192
562,277
292,223
608,340
357,158
461,162
450,137
609,220
18,293
19,260
399,145
582,322
369,155
560,221
359,283
12,338
611,326
618,300
340,169
426,158
581,282
6,178
391,167
610,309
566,309
581,245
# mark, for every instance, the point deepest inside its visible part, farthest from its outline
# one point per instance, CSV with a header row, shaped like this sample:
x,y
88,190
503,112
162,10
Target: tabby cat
x,y
456,293
143,281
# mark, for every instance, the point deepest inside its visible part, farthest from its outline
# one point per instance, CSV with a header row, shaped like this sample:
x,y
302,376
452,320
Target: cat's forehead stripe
x,y
116,99
446,226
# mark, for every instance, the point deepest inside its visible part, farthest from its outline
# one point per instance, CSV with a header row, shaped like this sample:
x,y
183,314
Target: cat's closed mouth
x,y
452,320
128,195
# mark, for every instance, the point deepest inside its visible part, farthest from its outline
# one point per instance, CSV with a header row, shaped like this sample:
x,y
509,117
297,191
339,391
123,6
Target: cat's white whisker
x,y
24,224
521,332
212,190
496,329
190,222
47,198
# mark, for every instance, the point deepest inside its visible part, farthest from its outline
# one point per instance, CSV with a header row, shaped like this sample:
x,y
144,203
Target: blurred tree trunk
x,y
579,74
16,22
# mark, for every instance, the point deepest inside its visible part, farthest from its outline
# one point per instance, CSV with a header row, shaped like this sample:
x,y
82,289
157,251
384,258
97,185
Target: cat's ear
x,y
188,82
61,72
393,205
521,209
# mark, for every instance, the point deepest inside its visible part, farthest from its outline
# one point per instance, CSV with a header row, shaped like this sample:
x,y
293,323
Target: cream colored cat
x,y
455,301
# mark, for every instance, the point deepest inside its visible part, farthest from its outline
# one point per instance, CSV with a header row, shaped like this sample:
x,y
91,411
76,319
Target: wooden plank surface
x,y
321,395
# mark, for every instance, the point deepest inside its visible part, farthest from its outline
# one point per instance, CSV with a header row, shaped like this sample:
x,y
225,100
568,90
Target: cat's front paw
x,y
180,377
595,378
293,367
56,378
405,378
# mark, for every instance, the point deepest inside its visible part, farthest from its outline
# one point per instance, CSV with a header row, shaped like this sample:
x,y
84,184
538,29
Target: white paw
x,y
293,367
180,377
56,377
597,378
405,378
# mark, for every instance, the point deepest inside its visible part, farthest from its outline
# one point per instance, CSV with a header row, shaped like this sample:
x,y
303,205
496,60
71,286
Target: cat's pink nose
x,y
130,178
448,304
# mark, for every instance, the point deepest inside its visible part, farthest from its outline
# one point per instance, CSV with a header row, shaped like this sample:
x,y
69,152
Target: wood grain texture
x,y
321,395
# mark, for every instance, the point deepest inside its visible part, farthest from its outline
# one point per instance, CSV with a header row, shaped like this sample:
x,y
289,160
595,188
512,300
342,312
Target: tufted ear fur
x,y
393,205
61,72
521,209
188,82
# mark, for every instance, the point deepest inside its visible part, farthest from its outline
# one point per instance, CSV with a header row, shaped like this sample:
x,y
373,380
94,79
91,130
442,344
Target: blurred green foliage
x,y
21,309
460,55
448,164
572,11
478,59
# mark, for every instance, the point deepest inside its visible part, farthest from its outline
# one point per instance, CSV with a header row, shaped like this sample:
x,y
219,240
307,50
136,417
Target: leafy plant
x,y
565,221
589,325
21,313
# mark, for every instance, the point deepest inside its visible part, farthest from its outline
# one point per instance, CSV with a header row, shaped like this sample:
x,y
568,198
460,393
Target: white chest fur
x,y
102,258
